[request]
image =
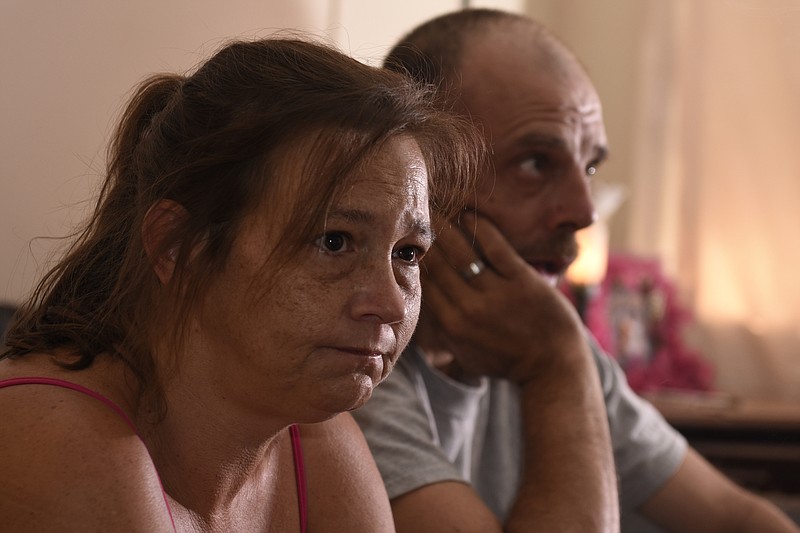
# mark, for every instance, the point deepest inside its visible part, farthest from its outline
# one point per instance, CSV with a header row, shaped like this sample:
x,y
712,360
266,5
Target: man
x,y
503,414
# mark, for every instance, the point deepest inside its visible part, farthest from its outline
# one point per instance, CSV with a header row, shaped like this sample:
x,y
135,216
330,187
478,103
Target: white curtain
x,y
715,187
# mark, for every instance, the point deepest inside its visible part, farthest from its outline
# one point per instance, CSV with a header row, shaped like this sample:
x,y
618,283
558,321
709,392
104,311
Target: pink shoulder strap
x,y
96,395
294,433
300,476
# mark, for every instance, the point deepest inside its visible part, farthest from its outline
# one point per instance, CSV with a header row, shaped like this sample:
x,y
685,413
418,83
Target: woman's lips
x,y
360,352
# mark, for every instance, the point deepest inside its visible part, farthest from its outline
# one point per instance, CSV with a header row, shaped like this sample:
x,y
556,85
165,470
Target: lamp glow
x,y
589,268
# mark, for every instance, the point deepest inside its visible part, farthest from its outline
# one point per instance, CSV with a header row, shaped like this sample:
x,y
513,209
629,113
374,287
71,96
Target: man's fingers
x,y
455,246
439,307
454,260
440,270
492,245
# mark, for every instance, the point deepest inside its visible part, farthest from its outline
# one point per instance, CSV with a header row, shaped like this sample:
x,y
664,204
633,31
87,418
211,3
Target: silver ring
x,y
473,269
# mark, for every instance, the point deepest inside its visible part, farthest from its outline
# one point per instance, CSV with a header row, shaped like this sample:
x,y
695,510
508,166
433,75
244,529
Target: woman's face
x,y
328,329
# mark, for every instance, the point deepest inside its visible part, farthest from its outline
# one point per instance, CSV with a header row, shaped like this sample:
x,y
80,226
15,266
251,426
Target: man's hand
x,y
506,321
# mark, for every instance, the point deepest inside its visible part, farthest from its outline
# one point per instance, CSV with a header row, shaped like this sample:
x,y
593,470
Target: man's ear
x,y
160,220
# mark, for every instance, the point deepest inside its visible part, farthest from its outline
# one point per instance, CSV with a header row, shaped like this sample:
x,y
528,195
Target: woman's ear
x,y
160,220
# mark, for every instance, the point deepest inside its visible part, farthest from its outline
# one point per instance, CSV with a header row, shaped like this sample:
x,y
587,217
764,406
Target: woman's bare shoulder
x,y
68,462
343,481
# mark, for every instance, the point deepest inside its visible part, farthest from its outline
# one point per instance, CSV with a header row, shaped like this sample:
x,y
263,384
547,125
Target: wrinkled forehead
x,y
388,192
395,170
511,80
382,183
320,170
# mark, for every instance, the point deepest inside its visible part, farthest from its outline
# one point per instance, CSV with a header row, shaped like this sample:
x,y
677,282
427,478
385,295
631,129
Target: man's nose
x,y
572,207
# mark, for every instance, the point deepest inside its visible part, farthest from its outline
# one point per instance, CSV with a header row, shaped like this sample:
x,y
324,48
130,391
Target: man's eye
x,y
540,165
332,242
410,254
533,164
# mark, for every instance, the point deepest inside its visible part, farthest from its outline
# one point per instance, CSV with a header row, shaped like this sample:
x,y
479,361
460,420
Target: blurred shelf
x,y
726,411
755,442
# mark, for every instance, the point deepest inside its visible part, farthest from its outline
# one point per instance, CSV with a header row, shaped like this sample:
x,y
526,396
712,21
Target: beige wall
x,y
700,103
368,28
67,67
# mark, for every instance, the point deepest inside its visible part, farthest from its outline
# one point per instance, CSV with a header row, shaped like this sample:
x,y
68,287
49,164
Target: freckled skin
x,y
331,327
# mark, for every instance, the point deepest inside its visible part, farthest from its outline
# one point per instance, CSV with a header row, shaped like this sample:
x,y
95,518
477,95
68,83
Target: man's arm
x,y
699,498
569,481
429,493
543,503
508,322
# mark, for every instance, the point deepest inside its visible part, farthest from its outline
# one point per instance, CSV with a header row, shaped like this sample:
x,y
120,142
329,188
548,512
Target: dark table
x,y
755,442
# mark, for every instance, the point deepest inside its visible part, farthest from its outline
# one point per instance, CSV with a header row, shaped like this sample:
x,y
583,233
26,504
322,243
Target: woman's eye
x,y
333,242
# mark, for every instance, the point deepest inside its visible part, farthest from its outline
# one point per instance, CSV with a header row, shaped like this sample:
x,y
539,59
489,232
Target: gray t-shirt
x,y
423,427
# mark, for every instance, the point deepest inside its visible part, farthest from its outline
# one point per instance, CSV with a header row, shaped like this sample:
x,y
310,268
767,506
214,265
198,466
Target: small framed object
x,y
635,316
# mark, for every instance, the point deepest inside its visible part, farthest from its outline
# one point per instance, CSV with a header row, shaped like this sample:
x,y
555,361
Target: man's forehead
x,y
586,112
512,87
508,80
555,112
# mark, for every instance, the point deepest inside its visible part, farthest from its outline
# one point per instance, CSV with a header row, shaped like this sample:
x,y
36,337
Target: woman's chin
x,y
342,397
359,392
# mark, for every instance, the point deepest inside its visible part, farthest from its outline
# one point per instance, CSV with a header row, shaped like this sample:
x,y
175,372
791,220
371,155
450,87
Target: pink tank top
x,y
294,434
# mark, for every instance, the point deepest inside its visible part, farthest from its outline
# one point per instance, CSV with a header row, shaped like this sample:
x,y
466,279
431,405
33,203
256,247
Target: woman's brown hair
x,y
209,142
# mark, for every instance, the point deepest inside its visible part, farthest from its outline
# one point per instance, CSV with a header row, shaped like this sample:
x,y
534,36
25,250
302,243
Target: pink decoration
x,y
636,317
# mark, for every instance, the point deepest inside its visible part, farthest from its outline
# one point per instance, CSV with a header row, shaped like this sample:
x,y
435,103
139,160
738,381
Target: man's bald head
x,y
438,51
539,113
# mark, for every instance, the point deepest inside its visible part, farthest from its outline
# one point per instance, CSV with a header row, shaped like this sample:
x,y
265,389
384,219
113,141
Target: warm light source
x,y
590,266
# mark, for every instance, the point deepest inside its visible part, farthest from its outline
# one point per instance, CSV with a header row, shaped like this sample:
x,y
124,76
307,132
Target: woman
x,y
250,272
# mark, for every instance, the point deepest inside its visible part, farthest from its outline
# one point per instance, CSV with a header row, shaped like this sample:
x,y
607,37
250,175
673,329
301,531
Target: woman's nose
x,y
378,296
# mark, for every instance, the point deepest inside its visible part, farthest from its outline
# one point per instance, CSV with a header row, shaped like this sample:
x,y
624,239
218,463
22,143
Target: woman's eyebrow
x,y
417,225
352,215
422,228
